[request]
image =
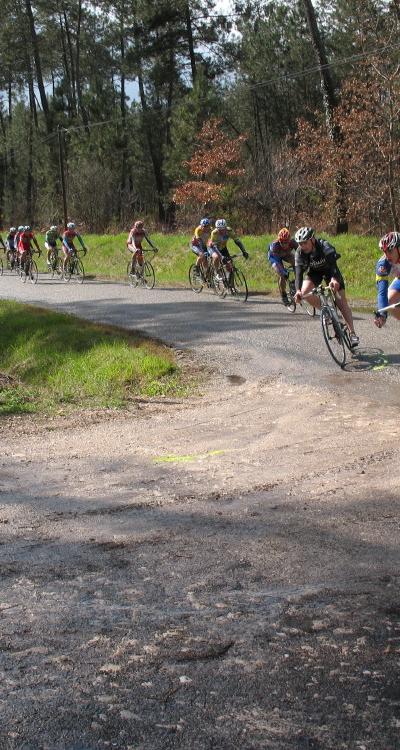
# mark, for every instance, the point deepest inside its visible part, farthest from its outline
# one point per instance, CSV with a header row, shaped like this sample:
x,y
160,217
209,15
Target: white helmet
x,y
220,224
53,228
70,225
21,228
303,234
12,229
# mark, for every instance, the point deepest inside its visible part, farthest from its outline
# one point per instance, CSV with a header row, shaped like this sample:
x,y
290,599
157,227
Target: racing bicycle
x,y
29,269
55,264
142,274
200,277
334,329
229,279
73,268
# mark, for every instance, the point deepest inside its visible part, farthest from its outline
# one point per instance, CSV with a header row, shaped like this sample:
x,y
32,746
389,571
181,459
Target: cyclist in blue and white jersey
x,y
388,265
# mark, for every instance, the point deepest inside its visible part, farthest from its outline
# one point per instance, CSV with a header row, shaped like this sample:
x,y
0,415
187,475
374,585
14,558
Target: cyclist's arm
x,y
2,243
382,270
240,245
299,270
149,241
35,242
81,242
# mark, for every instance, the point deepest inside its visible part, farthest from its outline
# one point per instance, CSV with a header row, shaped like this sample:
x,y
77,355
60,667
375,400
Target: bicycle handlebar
x,y
389,307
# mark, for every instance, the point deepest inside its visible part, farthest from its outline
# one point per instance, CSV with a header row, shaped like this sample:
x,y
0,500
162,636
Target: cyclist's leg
x,y
280,271
196,249
308,285
393,297
216,258
343,304
68,252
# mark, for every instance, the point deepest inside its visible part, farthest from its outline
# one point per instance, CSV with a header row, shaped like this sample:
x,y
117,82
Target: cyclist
x,y
388,265
68,246
11,246
26,239
134,244
50,242
201,236
280,251
316,258
218,245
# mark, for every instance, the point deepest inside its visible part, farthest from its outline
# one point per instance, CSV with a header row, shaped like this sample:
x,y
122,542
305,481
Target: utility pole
x,y
60,131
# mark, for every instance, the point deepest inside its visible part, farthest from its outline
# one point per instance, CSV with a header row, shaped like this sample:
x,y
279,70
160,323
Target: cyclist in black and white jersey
x,y
315,261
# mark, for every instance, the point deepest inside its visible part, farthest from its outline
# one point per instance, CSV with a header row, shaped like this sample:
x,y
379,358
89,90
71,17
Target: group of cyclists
x,y
313,259
21,242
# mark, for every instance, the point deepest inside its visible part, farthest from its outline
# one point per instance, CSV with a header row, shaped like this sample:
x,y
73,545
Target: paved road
x,y
259,339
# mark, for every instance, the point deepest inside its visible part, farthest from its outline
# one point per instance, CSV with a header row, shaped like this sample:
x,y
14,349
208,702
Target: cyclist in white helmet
x,y
315,260
218,243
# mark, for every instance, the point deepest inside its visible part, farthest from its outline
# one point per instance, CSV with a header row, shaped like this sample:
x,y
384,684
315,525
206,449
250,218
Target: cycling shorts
x,y
69,249
318,276
199,249
395,285
50,245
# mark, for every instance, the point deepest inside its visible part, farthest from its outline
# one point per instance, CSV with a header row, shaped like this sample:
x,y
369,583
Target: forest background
x,y
270,113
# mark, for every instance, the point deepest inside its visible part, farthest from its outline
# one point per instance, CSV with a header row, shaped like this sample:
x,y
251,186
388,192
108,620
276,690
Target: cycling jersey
x,y
383,270
220,237
52,237
201,236
319,264
275,250
68,239
25,241
136,237
10,240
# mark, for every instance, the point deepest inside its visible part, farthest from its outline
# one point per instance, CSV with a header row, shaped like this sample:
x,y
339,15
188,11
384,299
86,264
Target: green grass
x,y
54,361
108,258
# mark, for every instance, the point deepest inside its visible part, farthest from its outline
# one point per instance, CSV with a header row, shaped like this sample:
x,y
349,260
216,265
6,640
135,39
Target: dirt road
x,y
220,573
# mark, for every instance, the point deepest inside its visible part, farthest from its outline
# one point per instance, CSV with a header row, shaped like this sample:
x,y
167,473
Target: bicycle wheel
x,y
219,282
32,272
291,305
333,336
238,287
307,308
78,271
195,279
133,278
149,278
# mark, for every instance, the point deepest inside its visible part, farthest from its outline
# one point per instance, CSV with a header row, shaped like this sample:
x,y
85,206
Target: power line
x,y
316,68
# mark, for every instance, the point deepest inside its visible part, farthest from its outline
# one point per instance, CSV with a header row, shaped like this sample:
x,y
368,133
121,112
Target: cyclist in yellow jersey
x,y
199,243
219,243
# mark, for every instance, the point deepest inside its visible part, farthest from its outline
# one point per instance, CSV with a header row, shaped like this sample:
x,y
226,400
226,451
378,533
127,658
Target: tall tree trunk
x,y
38,67
153,148
72,61
67,73
78,70
189,32
124,150
329,97
29,175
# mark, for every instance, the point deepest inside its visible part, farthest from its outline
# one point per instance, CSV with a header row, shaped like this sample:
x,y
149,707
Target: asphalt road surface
x,y
257,339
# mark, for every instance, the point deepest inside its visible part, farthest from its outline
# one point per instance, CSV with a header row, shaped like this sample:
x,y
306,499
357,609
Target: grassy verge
x,y
50,361
108,257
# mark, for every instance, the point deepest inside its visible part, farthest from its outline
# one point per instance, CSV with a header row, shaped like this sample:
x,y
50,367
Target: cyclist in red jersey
x,y
68,242
25,240
134,244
